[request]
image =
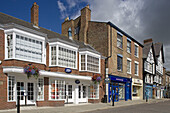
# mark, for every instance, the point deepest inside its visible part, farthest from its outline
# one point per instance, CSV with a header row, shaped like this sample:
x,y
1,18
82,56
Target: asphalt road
x,y
161,107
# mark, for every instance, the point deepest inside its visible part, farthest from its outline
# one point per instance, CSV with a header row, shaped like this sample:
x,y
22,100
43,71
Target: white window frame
x,y
38,89
130,47
90,54
49,93
15,91
137,50
15,32
59,44
130,65
137,68
93,92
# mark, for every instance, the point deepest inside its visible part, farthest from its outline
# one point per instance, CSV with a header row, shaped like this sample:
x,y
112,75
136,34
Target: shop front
x,y
137,89
120,87
148,91
50,88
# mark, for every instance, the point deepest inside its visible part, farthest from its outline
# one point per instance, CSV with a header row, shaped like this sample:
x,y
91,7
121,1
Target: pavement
x,y
85,107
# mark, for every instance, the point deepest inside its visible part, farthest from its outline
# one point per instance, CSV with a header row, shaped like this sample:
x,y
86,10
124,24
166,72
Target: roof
x,y
118,29
51,35
157,48
146,49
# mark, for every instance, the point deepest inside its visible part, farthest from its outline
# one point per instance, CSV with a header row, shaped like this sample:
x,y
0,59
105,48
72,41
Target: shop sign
x,y
77,81
68,70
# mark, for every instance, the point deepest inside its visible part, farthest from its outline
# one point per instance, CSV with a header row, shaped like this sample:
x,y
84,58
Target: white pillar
x,y
76,95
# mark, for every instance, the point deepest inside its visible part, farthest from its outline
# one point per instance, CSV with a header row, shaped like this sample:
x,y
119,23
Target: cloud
x,y
62,9
141,19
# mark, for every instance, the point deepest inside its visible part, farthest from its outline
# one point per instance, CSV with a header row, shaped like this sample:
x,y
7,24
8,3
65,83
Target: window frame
x,y
120,56
15,92
15,32
128,41
86,53
128,59
65,46
137,68
136,45
38,89
93,91
121,40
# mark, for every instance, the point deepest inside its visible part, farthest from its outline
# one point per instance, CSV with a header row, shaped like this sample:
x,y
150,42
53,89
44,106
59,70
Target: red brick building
x,y
125,64
66,65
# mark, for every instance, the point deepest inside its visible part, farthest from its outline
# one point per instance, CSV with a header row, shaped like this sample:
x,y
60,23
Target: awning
x,y
47,73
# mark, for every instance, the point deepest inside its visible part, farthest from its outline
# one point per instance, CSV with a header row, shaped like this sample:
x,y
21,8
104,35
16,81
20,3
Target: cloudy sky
x,y
141,19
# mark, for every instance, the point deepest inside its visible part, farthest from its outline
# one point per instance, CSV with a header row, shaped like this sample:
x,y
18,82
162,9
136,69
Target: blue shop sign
x,y
119,79
68,70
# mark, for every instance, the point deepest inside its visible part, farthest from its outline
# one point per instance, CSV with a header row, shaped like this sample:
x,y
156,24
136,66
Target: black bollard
x,y
18,104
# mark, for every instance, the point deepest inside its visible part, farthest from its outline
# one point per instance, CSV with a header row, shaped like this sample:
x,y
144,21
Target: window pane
x,y
40,89
119,41
92,64
119,63
11,89
93,91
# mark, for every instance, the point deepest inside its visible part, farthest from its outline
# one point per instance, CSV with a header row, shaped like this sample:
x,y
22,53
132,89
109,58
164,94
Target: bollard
x,y
18,104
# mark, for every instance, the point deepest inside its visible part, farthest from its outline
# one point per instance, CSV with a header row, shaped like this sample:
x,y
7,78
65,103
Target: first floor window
x,y
53,56
136,50
136,69
93,91
11,88
10,45
128,46
119,63
57,89
91,62
40,89
128,66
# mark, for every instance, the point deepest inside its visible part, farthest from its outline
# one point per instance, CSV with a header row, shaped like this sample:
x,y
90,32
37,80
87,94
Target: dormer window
x,y
69,33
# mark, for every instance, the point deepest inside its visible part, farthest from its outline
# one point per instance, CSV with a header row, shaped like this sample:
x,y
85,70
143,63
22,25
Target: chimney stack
x,y
148,41
35,14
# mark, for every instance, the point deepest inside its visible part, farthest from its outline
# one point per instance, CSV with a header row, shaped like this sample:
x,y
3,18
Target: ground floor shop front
x,y
119,88
137,89
148,91
53,90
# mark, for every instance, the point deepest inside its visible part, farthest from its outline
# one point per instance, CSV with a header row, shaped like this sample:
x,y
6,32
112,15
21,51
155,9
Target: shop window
x,y
84,91
93,91
119,63
121,91
92,63
40,89
57,90
11,88
135,91
119,41
128,46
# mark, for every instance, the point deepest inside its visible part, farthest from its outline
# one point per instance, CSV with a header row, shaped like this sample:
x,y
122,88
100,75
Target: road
x,y
161,107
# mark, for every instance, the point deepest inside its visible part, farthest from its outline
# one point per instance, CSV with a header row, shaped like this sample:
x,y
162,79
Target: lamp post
x,y
105,96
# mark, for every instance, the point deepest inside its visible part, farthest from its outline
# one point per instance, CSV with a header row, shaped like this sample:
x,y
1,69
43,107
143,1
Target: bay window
x,y
93,91
21,47
61,56
11,88
89,63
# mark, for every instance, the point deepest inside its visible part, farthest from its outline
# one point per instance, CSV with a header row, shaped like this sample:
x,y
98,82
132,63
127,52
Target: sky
x,y
141,19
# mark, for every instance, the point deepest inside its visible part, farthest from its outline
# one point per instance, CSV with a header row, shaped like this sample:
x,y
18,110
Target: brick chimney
x,y
35,14
147,41
85,18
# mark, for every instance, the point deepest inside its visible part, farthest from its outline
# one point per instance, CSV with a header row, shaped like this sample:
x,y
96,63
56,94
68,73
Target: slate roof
x,y
146,49
157,48
51,35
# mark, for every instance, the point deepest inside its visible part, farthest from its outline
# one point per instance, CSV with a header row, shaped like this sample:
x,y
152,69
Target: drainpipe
x,y
105,96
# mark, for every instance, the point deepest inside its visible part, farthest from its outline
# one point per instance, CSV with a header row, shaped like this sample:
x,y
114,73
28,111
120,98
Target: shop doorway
x,y
82,93
26,93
